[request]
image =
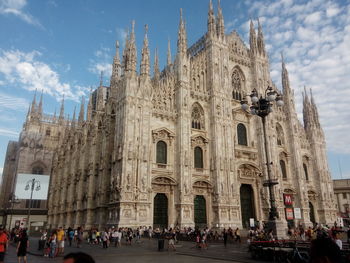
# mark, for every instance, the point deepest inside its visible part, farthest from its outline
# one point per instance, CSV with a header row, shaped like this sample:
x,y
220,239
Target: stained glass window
x,y
161,152
198,157
242,134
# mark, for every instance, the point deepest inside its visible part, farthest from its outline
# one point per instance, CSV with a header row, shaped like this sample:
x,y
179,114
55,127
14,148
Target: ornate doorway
x,y
160,211
312,213
247,204
200,211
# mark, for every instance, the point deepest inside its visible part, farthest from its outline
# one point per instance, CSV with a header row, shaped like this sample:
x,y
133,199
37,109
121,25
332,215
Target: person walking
x,y
238,235
53,244
105,238
60,241
3,244
225,235
22,247
70,234
79,236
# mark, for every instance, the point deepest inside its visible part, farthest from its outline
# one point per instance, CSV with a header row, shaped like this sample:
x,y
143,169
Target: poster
x,y
287,199
251,222
297,213
289,214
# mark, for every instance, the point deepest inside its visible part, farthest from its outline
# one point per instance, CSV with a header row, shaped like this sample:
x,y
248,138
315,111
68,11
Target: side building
x,y
177,149
342,195
30,158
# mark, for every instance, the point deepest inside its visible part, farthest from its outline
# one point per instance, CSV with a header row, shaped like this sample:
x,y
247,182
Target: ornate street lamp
x,y
261,105
31,186
12,201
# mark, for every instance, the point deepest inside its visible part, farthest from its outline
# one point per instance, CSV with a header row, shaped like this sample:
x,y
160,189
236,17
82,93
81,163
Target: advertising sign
x,y
297,213
289,214
39,192
287,199
251,222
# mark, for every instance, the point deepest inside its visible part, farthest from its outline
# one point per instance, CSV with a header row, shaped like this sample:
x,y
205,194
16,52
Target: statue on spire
x,y
182,38
211,20
220,27
169,54
145,64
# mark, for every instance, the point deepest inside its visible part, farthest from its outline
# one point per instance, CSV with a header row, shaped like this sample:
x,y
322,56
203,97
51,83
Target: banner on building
x,y
288,200
289,214
297,213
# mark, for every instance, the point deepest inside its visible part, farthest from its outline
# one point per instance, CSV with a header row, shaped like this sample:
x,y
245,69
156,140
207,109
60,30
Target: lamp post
x,y
261,105
13,200
31,186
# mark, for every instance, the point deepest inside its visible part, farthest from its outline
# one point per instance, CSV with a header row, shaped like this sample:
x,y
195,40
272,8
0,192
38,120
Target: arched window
x,y
161,152
198,157
283,169
305,172
197,117
237,84
37,170
242,134
280,135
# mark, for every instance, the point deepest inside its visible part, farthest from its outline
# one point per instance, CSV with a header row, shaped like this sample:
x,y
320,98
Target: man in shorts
x,y
60,240
3,244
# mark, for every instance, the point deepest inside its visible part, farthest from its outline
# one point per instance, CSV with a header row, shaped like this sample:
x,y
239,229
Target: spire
x,y
116,70
260,41
61,117
182,38
314,110
169,53
145,64
101,78
306,110
89,107
40,109
54,116
73,119
28,113
125,52
156,65
33,107
285,77
132,50
81,112
252,38
220,28
211,20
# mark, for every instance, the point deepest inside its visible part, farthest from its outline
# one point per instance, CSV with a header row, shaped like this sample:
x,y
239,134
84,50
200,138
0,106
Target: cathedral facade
x,y
176,149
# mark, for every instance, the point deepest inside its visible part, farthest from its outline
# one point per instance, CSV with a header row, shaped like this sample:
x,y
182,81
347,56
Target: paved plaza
x,y
146,251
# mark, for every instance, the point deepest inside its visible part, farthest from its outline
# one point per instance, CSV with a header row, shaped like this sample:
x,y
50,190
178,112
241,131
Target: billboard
x,y
24,179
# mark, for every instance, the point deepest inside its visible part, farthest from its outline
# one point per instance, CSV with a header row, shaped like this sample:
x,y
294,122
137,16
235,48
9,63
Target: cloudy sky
x,y
61,47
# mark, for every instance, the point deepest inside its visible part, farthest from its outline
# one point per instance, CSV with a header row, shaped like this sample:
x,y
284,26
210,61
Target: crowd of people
x,y
53,243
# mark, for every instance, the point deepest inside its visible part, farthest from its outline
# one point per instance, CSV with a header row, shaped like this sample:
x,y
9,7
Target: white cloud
x,y
15,7
102,62
24,70
8,132
12,103
314,37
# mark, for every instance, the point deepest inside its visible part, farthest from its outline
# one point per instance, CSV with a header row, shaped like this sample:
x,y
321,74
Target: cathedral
x,y
176,148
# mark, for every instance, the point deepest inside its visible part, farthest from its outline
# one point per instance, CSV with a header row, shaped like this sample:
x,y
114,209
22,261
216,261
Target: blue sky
x,y
61,47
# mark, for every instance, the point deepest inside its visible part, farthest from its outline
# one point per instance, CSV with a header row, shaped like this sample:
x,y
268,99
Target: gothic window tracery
x,y
280,135
161,156
198,157
306,172
197,117
305,167
37,170
283,169
242,134
237,84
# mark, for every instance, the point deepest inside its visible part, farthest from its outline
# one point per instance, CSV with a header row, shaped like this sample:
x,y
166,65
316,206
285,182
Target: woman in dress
x,y
22,247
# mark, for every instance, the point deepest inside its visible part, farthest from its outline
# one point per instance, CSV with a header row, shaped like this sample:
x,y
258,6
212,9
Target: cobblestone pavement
x,y
146,251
